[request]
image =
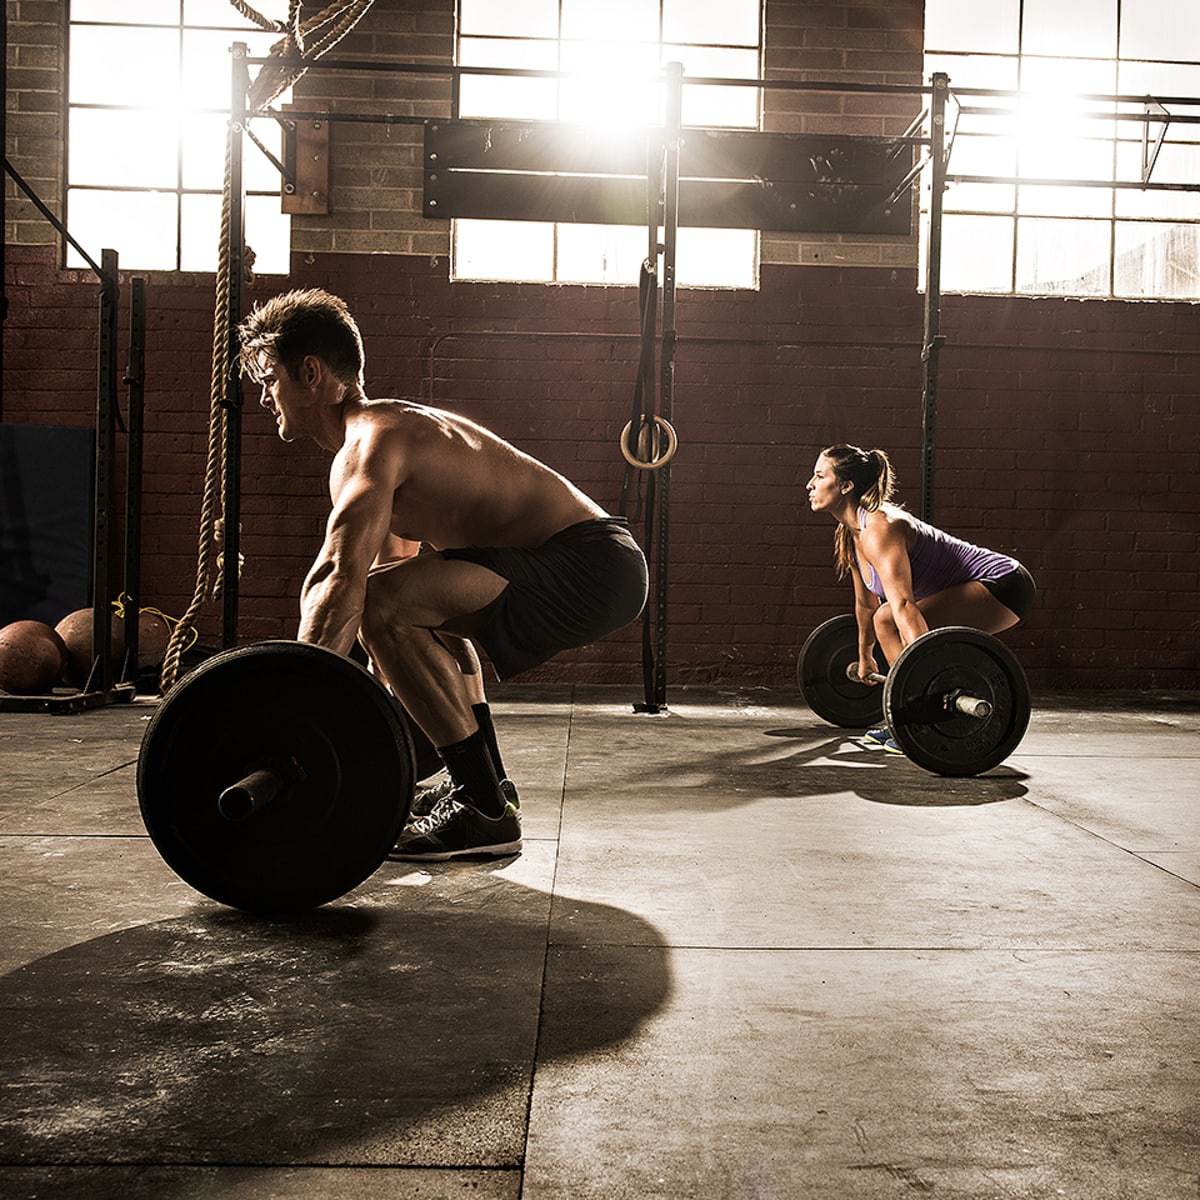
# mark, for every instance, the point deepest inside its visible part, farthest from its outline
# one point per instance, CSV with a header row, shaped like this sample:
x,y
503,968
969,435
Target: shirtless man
x,y
516,558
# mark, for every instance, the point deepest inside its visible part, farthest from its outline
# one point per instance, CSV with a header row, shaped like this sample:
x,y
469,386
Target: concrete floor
x,y
739,958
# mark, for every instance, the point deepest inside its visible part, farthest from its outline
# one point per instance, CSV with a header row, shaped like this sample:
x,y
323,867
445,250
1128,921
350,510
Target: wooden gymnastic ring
x,y
655,462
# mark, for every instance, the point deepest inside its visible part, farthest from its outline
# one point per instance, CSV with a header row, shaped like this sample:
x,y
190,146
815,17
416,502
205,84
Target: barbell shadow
x,y
684,763
382,1036
900,782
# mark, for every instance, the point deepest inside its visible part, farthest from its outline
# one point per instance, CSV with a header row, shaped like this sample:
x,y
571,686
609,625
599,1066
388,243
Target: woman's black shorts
x,y
1015,591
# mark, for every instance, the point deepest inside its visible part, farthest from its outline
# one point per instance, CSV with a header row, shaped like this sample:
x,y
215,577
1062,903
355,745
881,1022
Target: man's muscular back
x,y
455,483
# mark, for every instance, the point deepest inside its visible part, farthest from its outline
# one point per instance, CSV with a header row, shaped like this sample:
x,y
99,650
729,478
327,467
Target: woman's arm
x,y
865,604
884,543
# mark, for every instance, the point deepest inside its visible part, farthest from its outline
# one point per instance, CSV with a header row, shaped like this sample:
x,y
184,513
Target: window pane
x,y
612,61
717,258
503,250
618,85
633,20
133,12
979,156
955,25
714,21
1069,158
1157,261
498,96
1067,76
600,253
1175,164
1081,28
201,233
134,67
977,254
1162,79
514,18
150,148
140,226
221,12
1068,258
207,64
1159,29
983,156
714,106
269,234
1061,135
204,138
976,71
1033,200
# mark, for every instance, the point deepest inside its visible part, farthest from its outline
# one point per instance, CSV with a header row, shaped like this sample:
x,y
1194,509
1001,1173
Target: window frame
x,y
1029,209
184,193
553,230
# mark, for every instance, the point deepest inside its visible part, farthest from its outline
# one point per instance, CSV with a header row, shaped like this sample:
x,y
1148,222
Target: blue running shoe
x,y
874,739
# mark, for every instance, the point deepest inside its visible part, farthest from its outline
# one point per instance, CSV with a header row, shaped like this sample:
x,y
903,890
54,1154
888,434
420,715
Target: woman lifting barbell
x,y
909,577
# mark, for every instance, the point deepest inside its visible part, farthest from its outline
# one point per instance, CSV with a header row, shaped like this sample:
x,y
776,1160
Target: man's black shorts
x,y
585,582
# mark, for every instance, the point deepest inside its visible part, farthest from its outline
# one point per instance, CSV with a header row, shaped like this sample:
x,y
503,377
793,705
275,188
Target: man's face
x,y
285,398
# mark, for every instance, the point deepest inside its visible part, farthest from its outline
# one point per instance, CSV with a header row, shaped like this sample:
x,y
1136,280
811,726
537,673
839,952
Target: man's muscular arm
x,y
362,481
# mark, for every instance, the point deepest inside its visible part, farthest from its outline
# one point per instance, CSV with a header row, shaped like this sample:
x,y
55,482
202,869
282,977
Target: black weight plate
x,y
323,723
821,675
940,663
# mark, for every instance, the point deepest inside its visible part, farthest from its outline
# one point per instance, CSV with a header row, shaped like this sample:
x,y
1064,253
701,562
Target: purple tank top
x,y
940,561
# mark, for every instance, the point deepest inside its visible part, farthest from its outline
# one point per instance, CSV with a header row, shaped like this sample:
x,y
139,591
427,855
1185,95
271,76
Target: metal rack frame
x,y
933,149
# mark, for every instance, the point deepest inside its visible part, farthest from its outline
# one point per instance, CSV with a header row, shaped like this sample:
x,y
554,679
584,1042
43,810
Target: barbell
x,y
276,777
956,699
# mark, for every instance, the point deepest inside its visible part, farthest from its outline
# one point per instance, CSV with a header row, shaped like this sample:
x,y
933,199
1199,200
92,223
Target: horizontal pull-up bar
x,y
452,71
1118,184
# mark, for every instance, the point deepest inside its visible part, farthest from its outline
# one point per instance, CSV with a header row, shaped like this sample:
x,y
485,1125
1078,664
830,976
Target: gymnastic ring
x,y
653,464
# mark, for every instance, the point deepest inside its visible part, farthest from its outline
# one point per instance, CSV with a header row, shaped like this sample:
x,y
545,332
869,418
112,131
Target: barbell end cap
x,y
246,797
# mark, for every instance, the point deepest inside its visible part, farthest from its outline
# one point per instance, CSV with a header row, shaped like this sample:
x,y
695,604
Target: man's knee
x,y
383,615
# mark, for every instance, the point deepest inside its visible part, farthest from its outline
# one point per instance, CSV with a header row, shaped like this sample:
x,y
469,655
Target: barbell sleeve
x,y
874,676
244,798
971,706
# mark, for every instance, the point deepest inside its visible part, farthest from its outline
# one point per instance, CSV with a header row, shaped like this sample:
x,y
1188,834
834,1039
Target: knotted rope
x,y
308,40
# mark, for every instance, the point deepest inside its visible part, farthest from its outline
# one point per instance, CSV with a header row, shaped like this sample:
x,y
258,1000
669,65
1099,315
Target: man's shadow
x,y
397,1034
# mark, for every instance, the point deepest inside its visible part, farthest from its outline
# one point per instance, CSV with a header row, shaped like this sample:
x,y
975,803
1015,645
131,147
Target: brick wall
x,y
1067,430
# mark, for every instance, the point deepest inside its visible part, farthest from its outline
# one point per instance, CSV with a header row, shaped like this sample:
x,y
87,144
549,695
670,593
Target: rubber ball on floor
x,y
33,658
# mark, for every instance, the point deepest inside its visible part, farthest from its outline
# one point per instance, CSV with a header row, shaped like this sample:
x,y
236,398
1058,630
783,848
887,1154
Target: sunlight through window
x,y
1069,214
153,79
615,54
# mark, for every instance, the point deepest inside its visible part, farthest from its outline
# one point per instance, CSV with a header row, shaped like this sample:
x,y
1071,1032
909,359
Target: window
x,y
616,51
148,93
1058,60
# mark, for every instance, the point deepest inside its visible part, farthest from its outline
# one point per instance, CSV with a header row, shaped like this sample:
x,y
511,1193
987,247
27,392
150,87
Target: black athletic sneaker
x,y
428,798
454,830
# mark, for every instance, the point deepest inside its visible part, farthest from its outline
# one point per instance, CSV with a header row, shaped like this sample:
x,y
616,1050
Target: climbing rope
x,y
308,40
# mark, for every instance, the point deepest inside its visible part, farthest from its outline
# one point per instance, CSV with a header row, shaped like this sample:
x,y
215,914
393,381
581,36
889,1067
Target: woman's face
x,y
824,488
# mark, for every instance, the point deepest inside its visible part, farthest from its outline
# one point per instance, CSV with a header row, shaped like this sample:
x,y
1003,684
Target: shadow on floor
x,y
351,1035
899,781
